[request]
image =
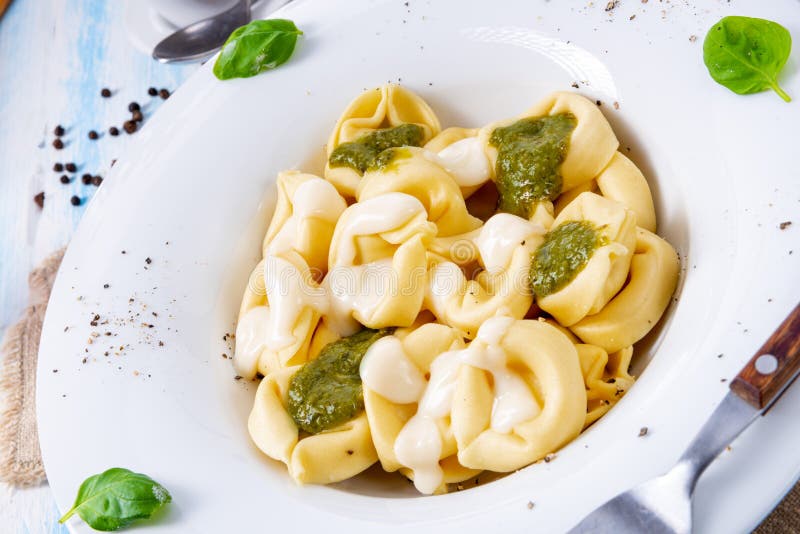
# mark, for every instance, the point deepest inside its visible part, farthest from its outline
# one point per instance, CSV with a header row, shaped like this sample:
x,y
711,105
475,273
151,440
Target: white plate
x,y
189,196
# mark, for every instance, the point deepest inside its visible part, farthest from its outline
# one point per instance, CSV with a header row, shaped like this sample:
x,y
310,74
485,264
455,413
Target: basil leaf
x,y
112,499
256,47
746,54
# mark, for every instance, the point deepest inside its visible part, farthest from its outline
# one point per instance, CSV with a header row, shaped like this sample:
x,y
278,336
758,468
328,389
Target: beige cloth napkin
x,y
20,458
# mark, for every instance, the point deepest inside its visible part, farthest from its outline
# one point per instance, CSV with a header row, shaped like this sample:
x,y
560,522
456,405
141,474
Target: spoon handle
x,y
774,366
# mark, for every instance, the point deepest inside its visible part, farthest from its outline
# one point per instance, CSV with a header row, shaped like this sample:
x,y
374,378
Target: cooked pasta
x,y
403,329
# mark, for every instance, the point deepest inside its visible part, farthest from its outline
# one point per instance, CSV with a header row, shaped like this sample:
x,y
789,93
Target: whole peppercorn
x,y
58,167
64,179
39,199
71,167
130,126
58,131
113,131
105,92
163,93
133,106
58,144
152,91
93,135
97,180
75,200
137,116
86,179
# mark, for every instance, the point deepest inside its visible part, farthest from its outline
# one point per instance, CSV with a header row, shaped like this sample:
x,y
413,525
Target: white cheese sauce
x,y
466,161
419,443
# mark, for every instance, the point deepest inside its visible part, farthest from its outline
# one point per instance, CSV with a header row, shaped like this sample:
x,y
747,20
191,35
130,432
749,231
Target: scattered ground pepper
x,y
692,38
39,199
611,5
75,200
93,135
643,432
784,225
530,505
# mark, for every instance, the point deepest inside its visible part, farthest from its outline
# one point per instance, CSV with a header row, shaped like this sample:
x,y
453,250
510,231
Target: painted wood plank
x,y
55,56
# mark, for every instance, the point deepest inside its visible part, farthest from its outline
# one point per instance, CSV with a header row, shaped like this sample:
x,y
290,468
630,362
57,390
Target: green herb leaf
x,y
256,47
112,499
746,54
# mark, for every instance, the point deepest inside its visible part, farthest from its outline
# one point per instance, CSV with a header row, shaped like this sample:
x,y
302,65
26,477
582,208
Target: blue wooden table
x,y
55,57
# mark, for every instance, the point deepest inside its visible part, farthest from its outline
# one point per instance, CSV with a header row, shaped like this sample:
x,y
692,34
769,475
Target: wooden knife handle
x,y
773,367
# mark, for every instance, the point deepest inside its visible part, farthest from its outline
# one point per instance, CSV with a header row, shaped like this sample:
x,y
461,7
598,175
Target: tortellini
x,y
504,246
321,458
393,373
604,247
375,109
377,263
635,310
283,302
449,302
413,171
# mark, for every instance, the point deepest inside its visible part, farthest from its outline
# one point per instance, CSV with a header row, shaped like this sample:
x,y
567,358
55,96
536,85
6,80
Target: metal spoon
x,y
203,38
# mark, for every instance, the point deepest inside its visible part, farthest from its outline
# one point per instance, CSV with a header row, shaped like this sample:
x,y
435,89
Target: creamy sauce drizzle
x,y
419,443
251,334
502,234
466,161
362,287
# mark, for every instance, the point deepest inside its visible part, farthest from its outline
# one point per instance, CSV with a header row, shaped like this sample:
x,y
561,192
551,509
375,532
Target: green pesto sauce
x,y
563,254
326,391
361,153
384,161
529,157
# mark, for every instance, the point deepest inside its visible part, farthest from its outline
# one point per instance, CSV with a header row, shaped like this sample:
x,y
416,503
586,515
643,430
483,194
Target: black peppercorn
x,y
152,91
86,178
97,180
93,135
105,92
64,179
130,126
59,131
137,116
133,106
75,200
71,167
58,143
57,167
164,94
113,131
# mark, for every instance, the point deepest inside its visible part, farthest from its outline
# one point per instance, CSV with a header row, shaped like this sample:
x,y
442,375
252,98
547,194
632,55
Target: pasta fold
x,y
502,249
396,366
323,458
606,269
632,313
414,172
378,263
545,370
592,143
384,107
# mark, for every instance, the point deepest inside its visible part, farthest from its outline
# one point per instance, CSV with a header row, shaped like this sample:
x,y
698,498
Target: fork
x,y
663,505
